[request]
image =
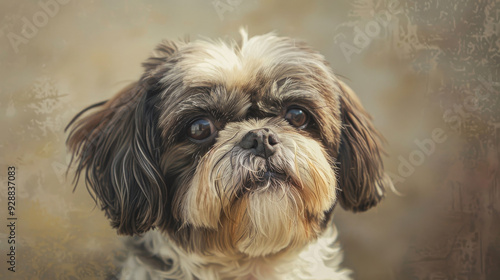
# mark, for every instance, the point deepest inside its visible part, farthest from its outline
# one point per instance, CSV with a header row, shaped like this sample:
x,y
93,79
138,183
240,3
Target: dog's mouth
x,y
269,178
271,175
265,180
266,175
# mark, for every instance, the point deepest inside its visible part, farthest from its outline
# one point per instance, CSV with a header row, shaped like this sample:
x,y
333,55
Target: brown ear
x,y
361,176
116,149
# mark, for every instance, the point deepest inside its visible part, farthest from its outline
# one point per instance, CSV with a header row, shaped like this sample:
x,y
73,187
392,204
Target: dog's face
x,y
231,148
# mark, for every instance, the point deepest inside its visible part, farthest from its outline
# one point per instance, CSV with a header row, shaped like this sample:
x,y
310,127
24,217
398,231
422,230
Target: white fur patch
x,y
319,260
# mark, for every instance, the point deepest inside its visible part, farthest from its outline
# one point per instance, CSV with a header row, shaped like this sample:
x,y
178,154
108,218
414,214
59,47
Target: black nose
x,y
261,142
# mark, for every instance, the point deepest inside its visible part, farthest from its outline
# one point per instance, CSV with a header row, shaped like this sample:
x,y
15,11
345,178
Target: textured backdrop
x,y
428,72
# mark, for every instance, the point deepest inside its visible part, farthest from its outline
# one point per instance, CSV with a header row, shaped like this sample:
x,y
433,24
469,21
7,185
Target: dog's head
x,y
247,146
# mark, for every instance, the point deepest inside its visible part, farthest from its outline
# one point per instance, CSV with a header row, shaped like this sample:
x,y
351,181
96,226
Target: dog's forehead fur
x,y
253,79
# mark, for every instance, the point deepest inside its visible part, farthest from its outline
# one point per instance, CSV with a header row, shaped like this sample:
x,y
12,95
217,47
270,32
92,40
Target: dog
x,y
225,160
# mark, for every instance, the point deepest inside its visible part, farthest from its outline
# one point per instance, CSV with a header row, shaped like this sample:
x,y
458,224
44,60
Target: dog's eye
x,y
201,129
297,117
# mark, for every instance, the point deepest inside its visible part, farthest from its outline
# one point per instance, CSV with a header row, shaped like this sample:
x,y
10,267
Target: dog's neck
x,y
154,256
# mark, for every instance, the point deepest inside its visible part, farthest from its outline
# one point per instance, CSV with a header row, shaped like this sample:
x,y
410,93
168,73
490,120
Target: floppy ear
x,y
117,148
361,176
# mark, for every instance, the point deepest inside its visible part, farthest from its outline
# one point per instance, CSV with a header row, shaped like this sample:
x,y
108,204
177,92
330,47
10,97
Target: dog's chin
x,y
270,217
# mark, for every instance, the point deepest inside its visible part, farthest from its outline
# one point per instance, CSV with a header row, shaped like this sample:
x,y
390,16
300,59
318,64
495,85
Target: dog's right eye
x,y
201,129
297,117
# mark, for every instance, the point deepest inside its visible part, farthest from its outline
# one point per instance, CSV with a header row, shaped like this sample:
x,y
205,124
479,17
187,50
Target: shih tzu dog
x,y
225,161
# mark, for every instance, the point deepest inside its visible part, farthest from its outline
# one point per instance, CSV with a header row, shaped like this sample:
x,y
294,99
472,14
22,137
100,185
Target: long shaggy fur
x,y
212,208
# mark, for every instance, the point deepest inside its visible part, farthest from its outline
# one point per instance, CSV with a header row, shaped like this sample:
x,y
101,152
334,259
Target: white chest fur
x,y
164,260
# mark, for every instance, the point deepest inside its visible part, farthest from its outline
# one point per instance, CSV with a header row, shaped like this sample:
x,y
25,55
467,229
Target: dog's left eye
x,y
201,129
297,117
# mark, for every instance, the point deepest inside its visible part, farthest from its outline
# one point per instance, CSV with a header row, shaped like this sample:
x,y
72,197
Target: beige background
x,y
422,66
